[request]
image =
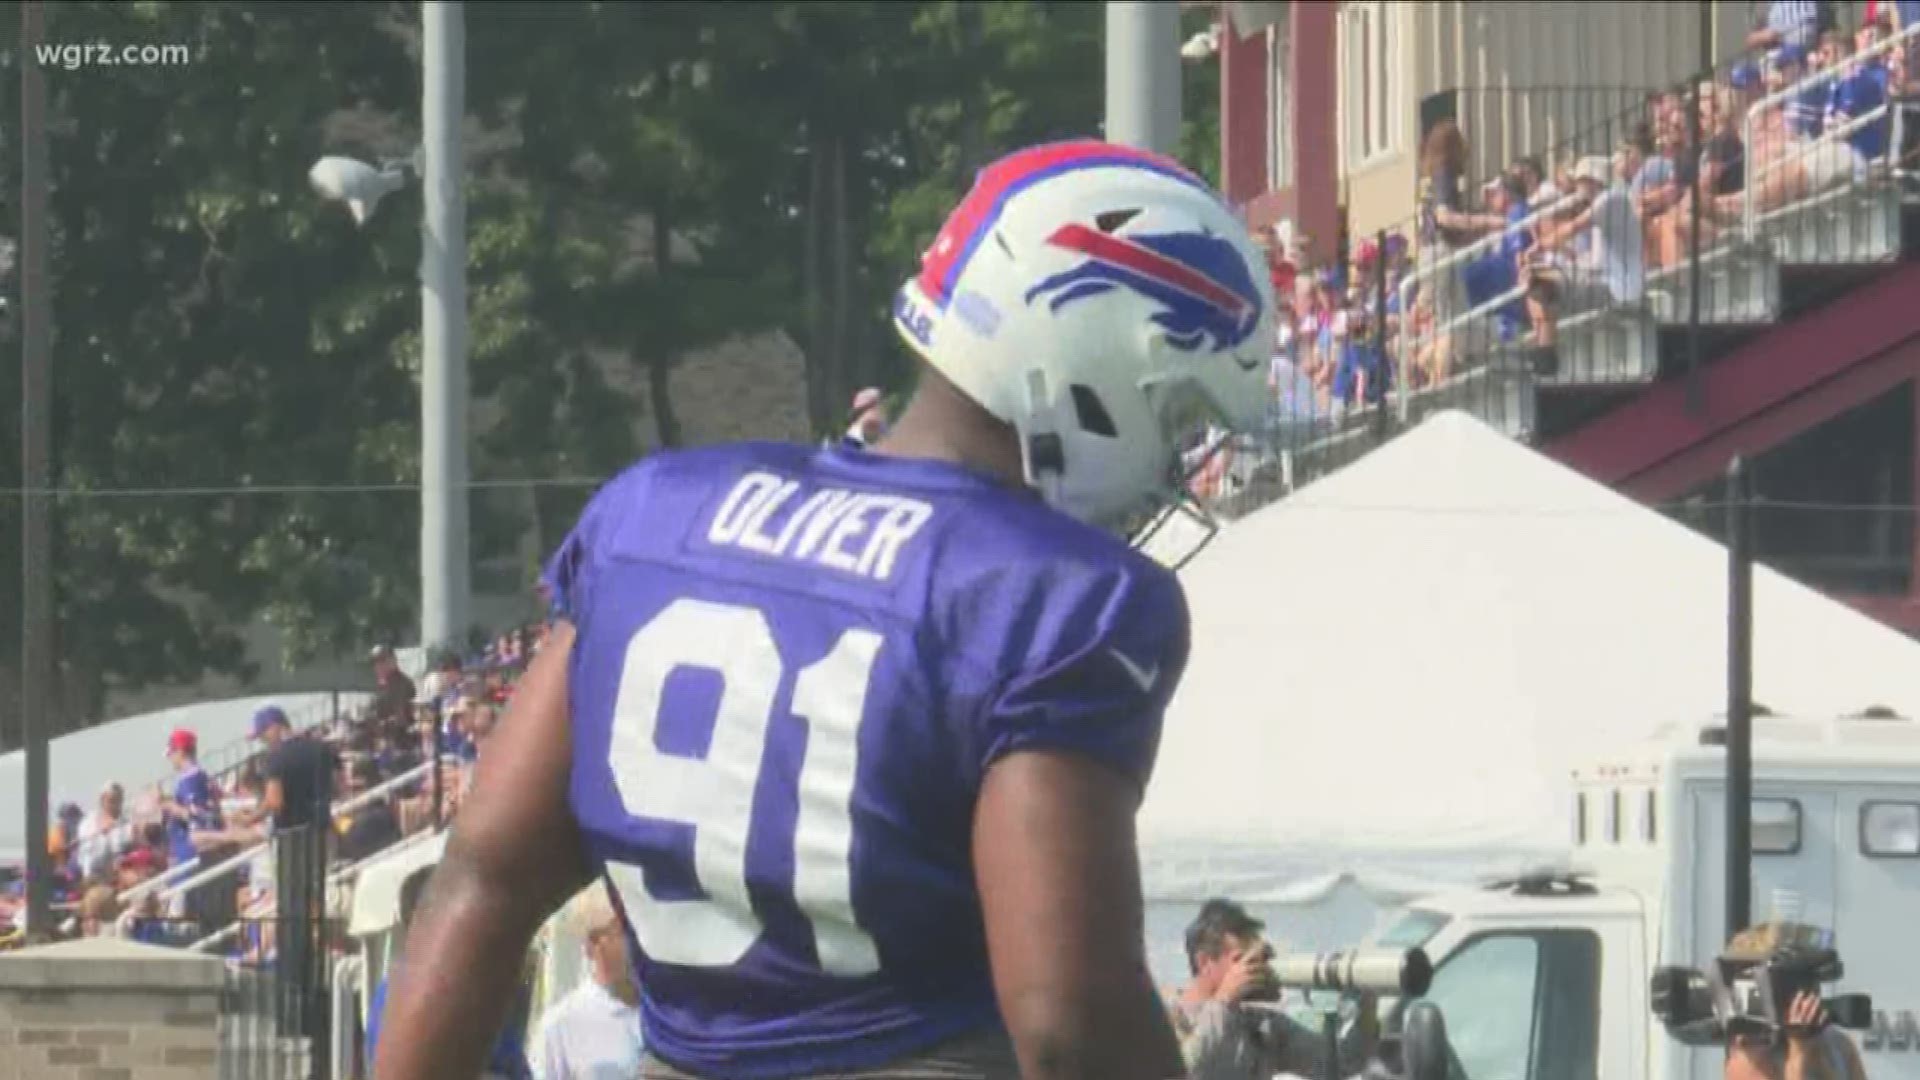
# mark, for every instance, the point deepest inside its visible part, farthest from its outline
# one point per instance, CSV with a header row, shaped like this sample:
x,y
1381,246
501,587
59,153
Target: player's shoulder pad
x,y
668,477
666,485
1057,590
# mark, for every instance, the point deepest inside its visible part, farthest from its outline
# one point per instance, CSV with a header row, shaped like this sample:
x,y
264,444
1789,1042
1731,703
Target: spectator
x,y
1221,1037
393,693
1430,362
1651,169
1805,112
298,773
1497,273
1832,50
1445,224
1789,22
1784,169
1360,371
105,834
299,778
1900,16
99,913
1747,84
869,419
1283,258
368,829
443,681
191,804
1856,94
594,1031
1660,197
64,842
1613,270
1719,168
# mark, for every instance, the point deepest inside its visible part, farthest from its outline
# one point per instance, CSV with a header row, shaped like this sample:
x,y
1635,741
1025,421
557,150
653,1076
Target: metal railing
x,y
1435,276
1490,345
223,765
189,876
1833,137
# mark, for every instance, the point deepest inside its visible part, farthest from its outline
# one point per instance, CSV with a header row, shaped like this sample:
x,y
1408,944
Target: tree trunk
x,y
660,392
846,364
819,351
664,346
973,131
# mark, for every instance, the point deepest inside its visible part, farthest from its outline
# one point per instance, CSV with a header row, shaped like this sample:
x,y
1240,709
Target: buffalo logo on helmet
x,y
1207,297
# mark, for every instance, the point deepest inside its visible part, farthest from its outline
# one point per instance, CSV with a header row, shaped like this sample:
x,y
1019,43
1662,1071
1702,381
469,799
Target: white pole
x,y
444,564
1143,74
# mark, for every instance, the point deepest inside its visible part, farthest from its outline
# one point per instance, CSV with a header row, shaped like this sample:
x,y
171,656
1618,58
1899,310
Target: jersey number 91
x,y
714,795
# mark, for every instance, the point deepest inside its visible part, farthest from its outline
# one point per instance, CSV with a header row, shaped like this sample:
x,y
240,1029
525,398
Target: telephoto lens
x,y
1406,973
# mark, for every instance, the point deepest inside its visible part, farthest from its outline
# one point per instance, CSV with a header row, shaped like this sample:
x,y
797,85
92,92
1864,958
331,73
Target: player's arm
x,y
1053,847
513,857
1071,740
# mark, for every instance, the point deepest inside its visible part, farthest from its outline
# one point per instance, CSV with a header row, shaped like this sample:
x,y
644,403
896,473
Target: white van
x,y
1547,978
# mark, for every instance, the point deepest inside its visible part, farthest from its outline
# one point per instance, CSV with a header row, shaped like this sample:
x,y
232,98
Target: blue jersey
x,y
194,793
791,671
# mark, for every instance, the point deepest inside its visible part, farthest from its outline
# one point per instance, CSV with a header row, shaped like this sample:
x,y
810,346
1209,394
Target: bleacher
x,y
222,902
1782,248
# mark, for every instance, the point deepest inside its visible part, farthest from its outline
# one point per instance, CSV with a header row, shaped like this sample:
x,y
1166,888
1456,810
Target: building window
x,y
1280,105
1370,82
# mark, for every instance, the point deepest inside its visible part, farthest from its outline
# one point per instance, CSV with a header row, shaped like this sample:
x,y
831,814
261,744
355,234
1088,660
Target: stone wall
x,y
108,1010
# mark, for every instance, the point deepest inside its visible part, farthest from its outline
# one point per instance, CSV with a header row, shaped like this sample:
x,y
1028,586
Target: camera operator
x,y
1228,1016
1808,1046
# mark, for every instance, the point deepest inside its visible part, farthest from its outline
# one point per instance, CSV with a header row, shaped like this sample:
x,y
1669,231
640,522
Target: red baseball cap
x,y
184,741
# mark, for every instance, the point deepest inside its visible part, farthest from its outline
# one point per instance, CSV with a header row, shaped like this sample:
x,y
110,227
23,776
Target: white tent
x,y
1395,670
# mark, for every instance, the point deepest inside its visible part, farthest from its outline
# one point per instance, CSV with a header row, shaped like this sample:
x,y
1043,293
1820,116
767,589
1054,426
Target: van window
x,y
1615,827
1890,829
1653,817
1776,827
1522,1006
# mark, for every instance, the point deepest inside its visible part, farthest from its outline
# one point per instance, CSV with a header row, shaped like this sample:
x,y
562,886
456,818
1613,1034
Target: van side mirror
x,y
1424,1053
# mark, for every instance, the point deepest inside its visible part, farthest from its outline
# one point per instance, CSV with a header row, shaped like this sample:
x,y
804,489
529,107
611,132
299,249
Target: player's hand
x,y
1246,975
1805,1017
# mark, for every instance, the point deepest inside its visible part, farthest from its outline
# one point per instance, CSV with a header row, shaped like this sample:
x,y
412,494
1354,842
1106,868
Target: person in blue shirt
x,y
1858,93
1498,272
1806,111
858,738
191,802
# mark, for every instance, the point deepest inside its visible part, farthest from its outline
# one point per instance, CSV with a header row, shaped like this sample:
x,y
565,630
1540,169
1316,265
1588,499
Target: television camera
x,y
1747,991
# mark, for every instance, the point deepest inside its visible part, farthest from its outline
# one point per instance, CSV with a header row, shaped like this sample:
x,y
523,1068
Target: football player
x,y
857,736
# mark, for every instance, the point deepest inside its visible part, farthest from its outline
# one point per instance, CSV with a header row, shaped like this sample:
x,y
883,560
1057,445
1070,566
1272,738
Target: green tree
x,y
645,180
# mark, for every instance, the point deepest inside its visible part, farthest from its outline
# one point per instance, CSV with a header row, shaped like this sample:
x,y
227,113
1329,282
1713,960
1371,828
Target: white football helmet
x,y
1106,303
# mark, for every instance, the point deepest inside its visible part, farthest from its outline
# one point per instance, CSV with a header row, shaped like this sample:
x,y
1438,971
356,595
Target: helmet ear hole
x,y
1093,416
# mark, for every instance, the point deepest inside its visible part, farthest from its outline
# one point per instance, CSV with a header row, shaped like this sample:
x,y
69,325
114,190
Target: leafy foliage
x,y
217,325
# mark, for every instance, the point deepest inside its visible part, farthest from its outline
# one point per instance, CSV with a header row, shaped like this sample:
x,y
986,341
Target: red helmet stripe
x,y
1128,255
998,183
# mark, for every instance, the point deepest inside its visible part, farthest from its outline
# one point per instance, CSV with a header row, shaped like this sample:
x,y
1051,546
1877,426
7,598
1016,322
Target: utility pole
x,y
36,564
444,565
1143,74
1739,697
